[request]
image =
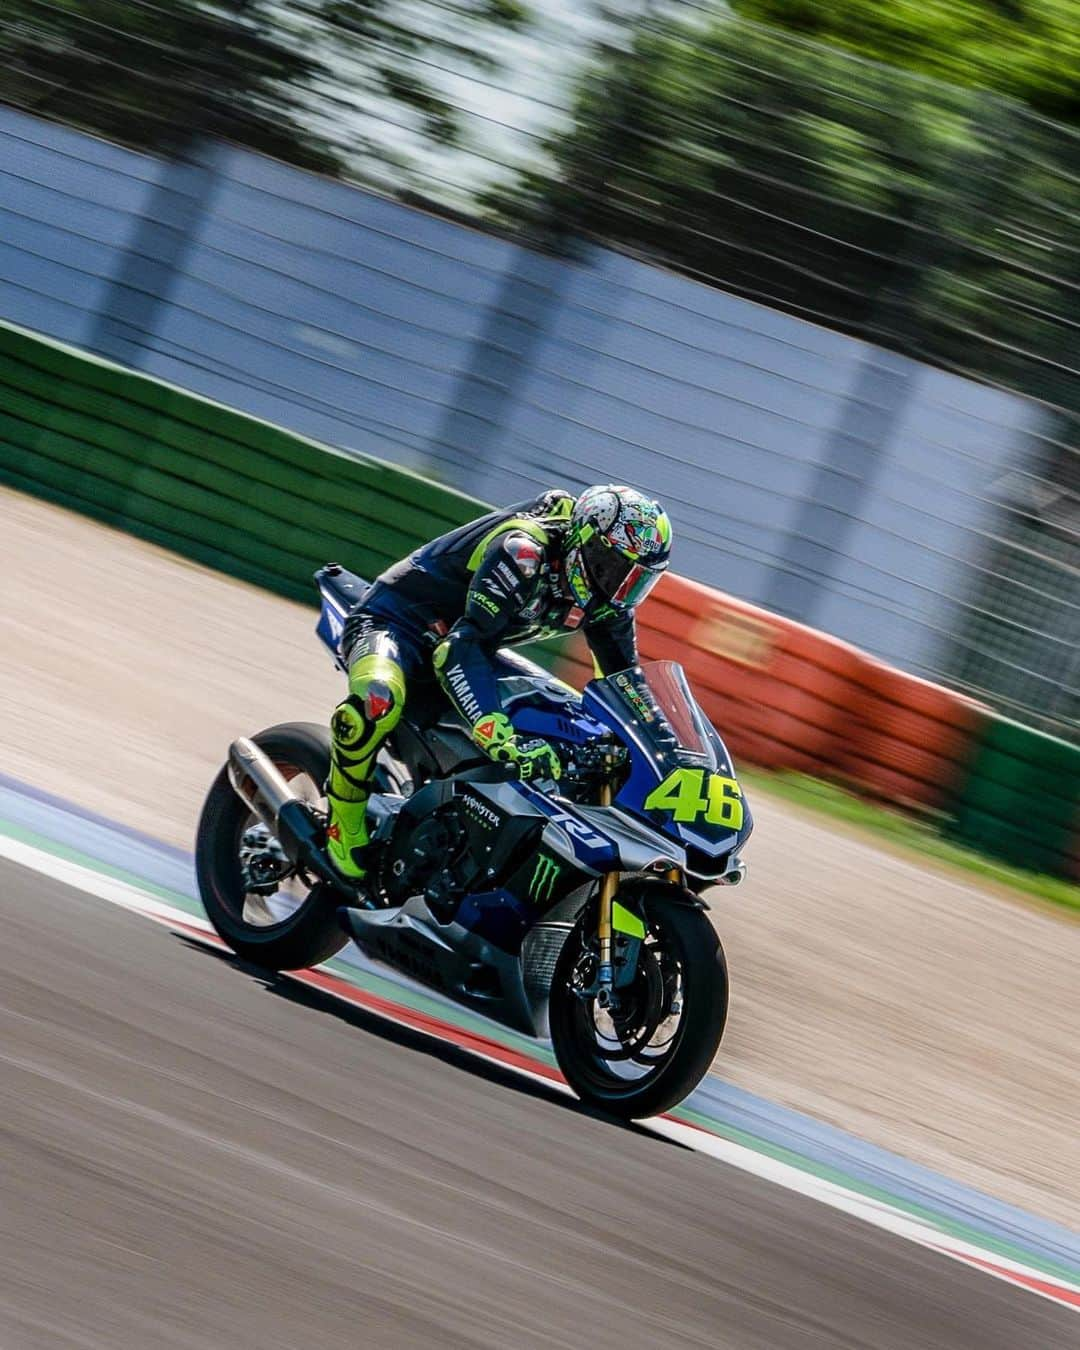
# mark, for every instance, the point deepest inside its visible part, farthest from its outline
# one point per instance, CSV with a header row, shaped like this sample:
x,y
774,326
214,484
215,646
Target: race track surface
x,y
196,1154
914,1009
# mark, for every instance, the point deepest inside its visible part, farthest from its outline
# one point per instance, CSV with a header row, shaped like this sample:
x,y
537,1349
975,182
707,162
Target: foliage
x,y
929,217
1027,49
304,80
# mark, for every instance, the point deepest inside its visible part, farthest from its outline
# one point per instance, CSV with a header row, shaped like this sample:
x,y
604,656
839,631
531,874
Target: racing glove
x,y
535,758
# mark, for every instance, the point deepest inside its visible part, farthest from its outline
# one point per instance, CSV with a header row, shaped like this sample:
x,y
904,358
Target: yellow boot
x,y
347,835
358,727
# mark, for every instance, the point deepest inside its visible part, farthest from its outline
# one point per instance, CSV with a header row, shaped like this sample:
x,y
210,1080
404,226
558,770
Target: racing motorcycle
x,y
568,909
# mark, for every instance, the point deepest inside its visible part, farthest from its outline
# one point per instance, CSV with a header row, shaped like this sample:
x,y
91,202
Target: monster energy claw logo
x,y
544,876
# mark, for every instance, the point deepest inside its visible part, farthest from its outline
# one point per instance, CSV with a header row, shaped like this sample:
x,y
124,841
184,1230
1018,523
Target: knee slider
x,y
349,723
380,702
377,692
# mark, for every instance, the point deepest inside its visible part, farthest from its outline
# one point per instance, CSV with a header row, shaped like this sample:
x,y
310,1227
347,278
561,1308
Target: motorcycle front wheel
x,y
645,1055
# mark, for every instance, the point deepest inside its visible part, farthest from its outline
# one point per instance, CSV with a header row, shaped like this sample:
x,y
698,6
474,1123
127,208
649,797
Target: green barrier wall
x,y
1021,798
222,488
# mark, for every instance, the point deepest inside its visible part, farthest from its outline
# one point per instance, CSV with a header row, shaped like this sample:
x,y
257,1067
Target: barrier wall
x,y
265,505
911,740
220,487
1021,798
808,472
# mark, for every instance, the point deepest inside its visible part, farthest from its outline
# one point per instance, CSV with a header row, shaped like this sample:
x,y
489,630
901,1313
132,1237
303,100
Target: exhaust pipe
x,y
258,782
263,789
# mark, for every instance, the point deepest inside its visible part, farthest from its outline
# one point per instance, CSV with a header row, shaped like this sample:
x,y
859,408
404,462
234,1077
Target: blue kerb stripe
x,y
874,1166
15,788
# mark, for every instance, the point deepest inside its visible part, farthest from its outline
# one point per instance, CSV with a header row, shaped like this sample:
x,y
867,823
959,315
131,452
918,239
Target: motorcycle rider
x,y
526,572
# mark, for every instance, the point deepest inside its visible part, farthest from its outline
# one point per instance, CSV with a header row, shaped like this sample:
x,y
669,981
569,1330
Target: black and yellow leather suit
x,y
435,622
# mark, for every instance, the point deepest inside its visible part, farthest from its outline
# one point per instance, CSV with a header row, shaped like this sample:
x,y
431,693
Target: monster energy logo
x,y
544,876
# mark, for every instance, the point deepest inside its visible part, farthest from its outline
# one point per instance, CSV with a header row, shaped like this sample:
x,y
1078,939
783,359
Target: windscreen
x,y
680,780
657,697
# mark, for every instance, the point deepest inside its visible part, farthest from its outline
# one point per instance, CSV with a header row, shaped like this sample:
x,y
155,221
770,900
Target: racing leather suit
x,y
445,611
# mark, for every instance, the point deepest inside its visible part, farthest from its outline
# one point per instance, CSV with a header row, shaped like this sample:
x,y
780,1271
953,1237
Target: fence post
x,y
474,425
146,275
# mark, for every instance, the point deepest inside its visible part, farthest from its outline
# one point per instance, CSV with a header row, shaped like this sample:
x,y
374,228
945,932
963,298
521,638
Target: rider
x,y
516,575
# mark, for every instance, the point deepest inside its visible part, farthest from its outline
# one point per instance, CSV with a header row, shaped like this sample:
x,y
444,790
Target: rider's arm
x,y
613,643
502,586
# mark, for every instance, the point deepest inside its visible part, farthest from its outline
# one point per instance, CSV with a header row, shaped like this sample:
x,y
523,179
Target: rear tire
x,y
685,930
308,935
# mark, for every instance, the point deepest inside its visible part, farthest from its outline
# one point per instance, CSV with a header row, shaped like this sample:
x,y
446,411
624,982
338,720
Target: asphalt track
x,y
196,1154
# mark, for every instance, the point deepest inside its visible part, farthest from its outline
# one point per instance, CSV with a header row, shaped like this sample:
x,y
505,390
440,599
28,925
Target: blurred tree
x,y
267,73
927,216
1028,49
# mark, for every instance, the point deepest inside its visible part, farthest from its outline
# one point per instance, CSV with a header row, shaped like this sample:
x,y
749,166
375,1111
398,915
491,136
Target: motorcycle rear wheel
x,y
660,1044
310,932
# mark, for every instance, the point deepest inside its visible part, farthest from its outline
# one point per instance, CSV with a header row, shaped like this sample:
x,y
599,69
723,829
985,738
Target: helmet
x,y
618,547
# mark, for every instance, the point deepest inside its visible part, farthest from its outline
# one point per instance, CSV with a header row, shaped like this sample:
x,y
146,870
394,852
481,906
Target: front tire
x,y
624,1064
309,933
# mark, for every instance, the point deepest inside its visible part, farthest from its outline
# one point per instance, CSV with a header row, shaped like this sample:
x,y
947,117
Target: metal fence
x,y
935,223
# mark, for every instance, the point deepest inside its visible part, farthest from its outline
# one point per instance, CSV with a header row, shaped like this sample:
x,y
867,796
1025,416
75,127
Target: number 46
x,y
686,794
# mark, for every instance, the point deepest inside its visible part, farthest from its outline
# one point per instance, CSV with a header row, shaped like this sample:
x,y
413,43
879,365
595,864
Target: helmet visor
x,y
617,579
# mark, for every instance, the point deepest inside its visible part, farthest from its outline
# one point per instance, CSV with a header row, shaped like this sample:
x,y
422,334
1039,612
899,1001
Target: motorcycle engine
x,y
429,858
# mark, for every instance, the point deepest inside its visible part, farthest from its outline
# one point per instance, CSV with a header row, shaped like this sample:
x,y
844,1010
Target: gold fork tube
x,y
609,884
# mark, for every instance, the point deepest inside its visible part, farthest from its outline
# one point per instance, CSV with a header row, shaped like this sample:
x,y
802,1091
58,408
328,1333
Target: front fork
x,y
630,928
609,884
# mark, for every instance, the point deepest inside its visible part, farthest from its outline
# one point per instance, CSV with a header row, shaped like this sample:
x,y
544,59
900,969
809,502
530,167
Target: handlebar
x,y
596,759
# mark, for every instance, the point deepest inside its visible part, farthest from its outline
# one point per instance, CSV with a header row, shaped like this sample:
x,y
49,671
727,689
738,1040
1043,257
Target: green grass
x,y
908,833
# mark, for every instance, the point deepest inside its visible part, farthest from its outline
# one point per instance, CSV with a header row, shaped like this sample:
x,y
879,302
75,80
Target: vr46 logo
x,y
689,797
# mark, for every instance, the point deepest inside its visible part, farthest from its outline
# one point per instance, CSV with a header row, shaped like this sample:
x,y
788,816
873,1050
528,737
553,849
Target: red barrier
x,y
785,696
913,737
778,692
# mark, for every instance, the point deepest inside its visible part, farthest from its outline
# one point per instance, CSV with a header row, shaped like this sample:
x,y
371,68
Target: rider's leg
x,y
358,727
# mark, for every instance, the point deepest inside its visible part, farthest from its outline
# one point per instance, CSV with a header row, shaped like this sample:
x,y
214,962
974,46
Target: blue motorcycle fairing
x,y
499,917
574,727
591,848
625,704
654,713
340,591
330,627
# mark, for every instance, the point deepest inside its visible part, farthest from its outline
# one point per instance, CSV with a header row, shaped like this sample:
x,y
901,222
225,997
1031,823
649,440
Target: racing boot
x,y
347,835
358,727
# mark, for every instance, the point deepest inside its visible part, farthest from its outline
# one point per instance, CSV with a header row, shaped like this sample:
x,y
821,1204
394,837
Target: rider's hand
x,y
535,758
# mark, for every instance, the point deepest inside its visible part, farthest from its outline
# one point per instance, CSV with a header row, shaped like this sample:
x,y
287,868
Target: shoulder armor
x,y
526,553
556,504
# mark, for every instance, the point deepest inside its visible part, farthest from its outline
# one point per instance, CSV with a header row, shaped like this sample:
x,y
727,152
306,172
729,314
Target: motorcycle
x,y
568,909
